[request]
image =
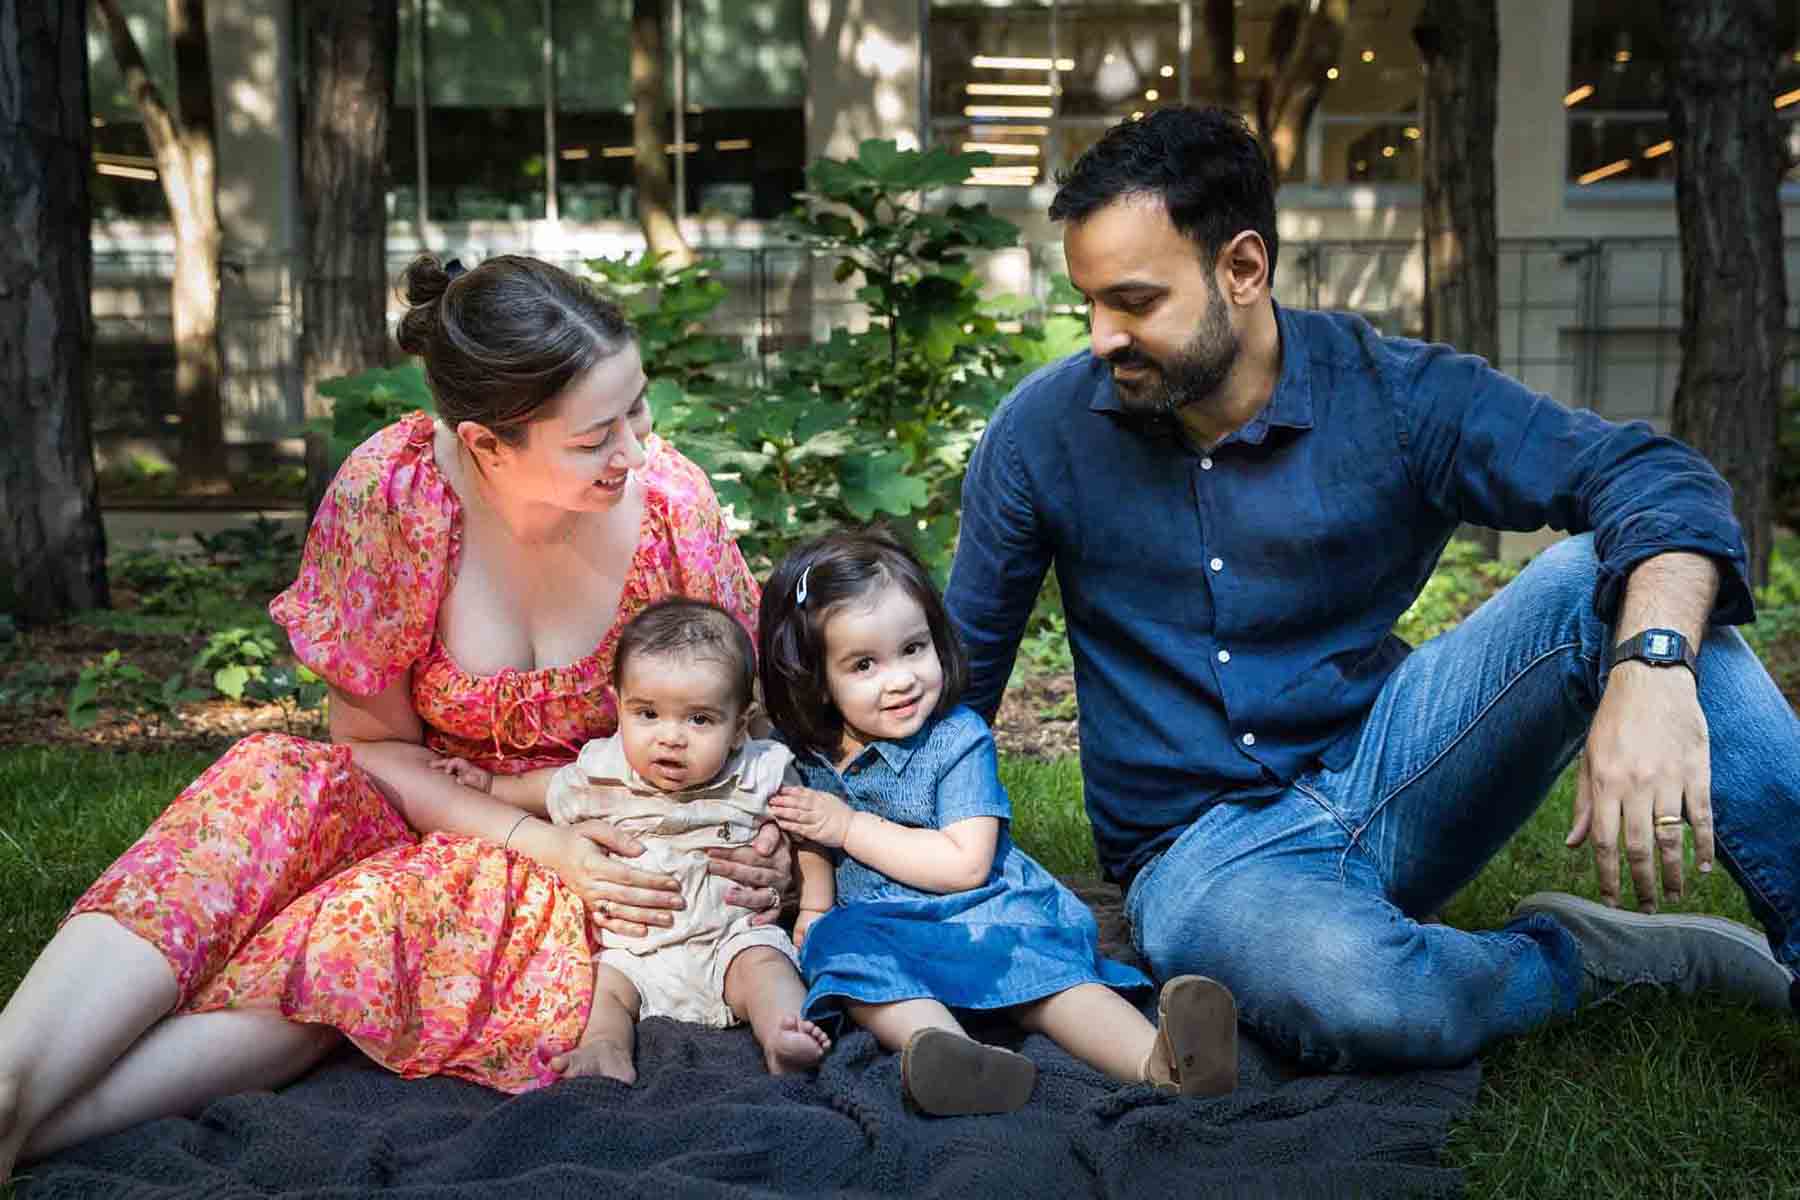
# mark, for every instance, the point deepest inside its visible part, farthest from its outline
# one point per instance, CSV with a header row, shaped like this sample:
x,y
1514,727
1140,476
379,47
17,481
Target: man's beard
x,y
1193,376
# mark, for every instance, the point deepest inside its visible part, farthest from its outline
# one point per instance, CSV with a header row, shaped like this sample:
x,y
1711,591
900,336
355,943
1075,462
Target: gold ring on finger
x,y
1668,819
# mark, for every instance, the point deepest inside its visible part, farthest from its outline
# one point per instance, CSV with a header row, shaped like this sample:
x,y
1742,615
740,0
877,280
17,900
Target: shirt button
x,y
1217,564
1224,656
1249,739
1206,463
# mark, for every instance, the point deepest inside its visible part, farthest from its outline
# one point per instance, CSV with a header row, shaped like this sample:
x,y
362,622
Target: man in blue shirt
x,y
1239,500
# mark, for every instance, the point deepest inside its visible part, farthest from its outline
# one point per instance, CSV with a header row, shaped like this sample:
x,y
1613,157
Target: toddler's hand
x,y
465,773
816,816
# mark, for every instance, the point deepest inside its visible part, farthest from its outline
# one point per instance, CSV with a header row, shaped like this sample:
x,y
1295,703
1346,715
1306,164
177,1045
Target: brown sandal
x,y
948,1075
1196,1038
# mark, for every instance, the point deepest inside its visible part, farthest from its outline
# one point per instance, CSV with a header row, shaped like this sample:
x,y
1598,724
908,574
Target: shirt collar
x,y
610,766
895,754
1289,408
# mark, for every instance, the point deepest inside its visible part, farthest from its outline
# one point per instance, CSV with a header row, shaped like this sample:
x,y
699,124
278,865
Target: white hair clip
x,y
800,588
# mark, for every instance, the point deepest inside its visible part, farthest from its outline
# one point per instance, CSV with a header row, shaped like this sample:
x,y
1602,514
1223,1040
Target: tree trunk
x,y
649,116
52,545
1220,87
185,151
1459,45
1302,48
1729,163
350,49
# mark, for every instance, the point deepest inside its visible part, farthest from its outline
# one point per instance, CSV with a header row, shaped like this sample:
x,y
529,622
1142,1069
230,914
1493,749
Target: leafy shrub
x,y
235,657
367,401
1462,580
874,423
295,688
126,686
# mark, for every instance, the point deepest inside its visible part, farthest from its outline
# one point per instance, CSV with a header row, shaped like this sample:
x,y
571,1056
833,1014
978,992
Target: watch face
x,y
1659,645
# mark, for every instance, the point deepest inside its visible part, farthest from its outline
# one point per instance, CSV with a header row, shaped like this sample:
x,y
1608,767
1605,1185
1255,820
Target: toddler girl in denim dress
x,y
914,902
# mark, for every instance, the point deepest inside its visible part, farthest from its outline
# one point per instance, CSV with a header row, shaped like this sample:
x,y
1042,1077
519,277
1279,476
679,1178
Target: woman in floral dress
x,y
461,591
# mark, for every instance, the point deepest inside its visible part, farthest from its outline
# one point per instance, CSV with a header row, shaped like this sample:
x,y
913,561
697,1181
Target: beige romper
x,y
679,972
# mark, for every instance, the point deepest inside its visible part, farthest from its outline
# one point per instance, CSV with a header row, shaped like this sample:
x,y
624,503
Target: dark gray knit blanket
x,y
705,1119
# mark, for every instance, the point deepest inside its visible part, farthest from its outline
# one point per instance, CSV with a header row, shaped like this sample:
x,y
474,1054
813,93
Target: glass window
x,y
1037,83
1618,73
593,109
484,133
745,126
125,182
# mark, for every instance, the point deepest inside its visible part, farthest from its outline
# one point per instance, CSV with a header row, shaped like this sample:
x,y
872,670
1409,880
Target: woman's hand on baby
x,y
464,772
619,898
819,817
762,869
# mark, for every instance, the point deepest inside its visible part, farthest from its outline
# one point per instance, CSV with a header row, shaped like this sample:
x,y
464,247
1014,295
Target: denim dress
x,y
1021,936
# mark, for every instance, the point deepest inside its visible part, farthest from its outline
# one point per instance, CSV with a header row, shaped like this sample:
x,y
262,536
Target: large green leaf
x,y
878,483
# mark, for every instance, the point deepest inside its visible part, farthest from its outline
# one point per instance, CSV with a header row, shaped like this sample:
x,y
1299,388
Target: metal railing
x,y
1594,322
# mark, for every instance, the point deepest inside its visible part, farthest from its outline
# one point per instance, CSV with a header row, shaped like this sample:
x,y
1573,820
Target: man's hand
x,y
819,817
1647,762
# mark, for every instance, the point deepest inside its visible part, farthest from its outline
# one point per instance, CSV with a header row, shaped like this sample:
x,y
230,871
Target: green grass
x,y
1644,1097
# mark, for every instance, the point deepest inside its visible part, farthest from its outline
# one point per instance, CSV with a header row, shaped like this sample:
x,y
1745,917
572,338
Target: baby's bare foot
x,y
797,1046
597,1057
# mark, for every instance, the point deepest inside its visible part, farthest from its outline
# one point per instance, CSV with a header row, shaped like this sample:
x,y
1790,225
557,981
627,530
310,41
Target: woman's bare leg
x,y
183,1062
763,987
894,1024
93,992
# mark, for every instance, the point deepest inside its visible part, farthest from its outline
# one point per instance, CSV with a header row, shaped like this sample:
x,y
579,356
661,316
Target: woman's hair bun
x,y
423,284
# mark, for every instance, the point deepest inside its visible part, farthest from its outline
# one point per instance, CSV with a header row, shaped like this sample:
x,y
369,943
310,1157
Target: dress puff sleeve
x,y
378,559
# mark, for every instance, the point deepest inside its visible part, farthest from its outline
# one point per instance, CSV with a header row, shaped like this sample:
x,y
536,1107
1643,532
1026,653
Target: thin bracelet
x,y
523,817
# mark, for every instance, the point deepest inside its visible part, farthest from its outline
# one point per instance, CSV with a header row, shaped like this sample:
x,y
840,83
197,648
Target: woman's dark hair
x,y
839,569
499,342
1204,164
690,629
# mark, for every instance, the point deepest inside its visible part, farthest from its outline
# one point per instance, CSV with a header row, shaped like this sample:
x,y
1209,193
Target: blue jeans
x,y
1309,906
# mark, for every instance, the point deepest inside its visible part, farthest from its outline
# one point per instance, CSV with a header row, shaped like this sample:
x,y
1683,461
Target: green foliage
x,y
668,310
235,657
370,400
28,686
127,687
873,424
295,688
1462,580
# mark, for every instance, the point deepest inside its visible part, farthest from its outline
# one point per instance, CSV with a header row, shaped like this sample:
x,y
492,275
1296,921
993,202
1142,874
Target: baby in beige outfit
x,y
680,775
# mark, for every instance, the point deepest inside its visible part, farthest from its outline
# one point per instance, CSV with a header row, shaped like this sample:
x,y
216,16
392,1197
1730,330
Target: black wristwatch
x,y
1659,648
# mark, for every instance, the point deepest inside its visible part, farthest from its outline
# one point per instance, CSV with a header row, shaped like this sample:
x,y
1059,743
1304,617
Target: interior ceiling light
x,y
1009,89
1368,56
1166,71
1578,95
1331,73
1000,62
1606,172
1012,148
1787,98
1658,150
1008,110
1414,132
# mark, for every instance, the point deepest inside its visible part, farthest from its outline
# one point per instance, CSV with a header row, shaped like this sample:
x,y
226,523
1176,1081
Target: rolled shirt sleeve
x,y
1486,449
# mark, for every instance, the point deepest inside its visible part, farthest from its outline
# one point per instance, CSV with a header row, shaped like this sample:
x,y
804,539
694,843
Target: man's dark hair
x,y
1204,164
690,629
839,569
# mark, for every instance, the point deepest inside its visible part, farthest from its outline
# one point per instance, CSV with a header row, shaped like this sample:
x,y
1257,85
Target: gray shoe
x,y
1677,951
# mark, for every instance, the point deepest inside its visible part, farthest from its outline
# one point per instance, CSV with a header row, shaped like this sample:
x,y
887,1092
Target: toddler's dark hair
x,y
690,629
839,568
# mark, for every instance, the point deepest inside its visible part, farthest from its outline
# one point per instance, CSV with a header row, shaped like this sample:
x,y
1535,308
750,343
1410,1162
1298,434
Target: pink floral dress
x,y
282,878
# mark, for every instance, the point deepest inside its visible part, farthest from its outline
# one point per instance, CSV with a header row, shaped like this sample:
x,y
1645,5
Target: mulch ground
x,y
1035,718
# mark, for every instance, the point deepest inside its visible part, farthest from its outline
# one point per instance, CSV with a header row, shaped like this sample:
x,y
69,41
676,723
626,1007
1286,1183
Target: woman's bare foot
x,y
597,1056
797,1046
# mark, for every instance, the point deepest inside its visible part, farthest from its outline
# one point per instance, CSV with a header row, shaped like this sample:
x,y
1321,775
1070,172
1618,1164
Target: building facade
x,y
512,132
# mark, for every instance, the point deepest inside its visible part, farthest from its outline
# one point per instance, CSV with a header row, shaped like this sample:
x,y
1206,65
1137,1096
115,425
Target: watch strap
x,y
1656,647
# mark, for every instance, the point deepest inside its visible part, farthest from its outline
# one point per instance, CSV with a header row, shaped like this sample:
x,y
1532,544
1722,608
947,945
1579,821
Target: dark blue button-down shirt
x,y
1230,611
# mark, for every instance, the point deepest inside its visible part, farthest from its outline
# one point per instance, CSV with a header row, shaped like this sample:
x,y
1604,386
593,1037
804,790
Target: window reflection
x,y
1617,91
124,183
1076,67
484,132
